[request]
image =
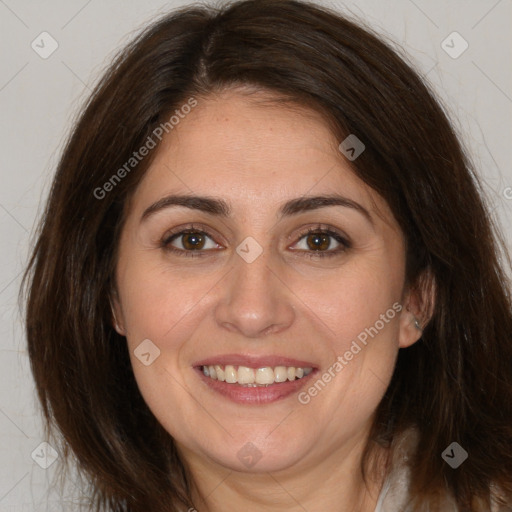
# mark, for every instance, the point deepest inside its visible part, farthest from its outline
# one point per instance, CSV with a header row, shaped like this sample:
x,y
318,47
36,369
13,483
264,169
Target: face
x,y
294,307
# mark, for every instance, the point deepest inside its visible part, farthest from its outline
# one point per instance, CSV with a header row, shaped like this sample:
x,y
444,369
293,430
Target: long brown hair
x,y
455,384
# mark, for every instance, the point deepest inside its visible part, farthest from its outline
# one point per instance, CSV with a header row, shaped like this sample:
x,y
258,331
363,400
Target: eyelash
x,y
170,237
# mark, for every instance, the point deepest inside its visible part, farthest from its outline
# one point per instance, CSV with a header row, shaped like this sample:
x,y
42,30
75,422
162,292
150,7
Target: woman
x,y
265,279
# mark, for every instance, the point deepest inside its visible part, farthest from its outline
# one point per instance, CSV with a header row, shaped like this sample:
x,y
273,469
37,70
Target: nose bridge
x,y
254,300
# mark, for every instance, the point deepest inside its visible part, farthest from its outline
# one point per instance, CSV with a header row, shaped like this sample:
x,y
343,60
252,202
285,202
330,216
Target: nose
x,y
256,300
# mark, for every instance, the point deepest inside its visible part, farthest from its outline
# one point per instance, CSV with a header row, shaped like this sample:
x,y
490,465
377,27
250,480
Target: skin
x,y
256,156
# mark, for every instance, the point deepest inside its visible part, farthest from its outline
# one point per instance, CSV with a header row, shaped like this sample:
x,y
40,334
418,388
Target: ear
x,y
418,301
117,317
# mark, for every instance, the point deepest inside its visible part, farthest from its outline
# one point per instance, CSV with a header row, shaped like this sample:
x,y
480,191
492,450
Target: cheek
x,y
361,309
165,307
157,301
160,307
356,301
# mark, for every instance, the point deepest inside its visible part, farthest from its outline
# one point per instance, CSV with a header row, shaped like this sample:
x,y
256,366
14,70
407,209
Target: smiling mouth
x,y
254,377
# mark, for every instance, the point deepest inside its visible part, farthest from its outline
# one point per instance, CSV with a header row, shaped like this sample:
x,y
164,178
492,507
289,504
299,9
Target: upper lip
x,y
253,361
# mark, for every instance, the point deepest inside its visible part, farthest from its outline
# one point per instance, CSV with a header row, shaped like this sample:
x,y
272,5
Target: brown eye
x,y
189,242
193,240
318,241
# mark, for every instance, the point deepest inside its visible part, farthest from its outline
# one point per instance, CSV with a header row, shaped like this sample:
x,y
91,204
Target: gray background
x,y
39,99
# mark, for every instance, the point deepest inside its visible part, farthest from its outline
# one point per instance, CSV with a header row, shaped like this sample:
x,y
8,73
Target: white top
x,y
382,496
394,492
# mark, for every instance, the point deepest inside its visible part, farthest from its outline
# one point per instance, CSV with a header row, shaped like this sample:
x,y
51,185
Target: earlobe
x,y
117,316
419,306
417,324
410,329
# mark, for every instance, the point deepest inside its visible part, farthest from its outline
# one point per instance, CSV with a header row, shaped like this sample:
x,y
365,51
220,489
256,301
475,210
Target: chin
x,y
265,453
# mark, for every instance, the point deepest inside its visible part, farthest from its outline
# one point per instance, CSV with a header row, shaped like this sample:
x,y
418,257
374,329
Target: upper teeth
x,y
249,376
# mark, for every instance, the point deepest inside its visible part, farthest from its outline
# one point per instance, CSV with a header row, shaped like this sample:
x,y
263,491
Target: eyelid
x,y
187,228
317,228
328,230
322,228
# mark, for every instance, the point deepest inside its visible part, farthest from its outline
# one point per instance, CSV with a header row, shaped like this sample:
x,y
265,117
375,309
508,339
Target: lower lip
x,y
255,395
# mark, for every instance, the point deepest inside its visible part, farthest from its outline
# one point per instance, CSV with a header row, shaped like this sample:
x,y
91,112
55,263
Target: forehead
x,y
254,150
251,133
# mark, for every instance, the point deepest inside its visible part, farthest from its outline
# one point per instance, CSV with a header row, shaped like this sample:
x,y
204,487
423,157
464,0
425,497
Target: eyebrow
x,y
221,208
